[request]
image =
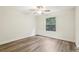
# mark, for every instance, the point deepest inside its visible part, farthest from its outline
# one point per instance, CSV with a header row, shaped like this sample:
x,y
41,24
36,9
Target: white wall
x,y
77,26
64,25
15,25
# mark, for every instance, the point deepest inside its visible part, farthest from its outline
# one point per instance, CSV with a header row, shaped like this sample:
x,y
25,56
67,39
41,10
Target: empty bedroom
x,y
39,29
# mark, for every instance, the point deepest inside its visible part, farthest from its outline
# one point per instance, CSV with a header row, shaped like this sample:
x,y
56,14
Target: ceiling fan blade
x,y
47,10
32,9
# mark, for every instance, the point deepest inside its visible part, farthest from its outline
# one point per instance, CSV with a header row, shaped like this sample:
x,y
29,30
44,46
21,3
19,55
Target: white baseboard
x,y
57,38
77,45
18,38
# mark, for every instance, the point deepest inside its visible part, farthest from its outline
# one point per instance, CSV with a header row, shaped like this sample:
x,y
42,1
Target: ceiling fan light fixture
x,y
40,10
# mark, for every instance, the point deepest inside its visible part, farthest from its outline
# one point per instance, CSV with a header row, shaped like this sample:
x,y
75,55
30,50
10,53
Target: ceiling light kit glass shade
x,y
40,10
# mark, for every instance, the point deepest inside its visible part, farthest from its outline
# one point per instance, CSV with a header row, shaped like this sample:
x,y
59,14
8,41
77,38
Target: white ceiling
x,y
26,9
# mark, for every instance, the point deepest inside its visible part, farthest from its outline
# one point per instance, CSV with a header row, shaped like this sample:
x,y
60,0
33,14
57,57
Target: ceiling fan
x,y
40,10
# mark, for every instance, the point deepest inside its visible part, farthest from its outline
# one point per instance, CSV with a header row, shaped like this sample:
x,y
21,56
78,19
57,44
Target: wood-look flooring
x,y
38,44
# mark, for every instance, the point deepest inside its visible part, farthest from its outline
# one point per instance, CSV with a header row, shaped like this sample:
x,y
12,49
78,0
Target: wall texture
x,y
15,25
64,25
77,26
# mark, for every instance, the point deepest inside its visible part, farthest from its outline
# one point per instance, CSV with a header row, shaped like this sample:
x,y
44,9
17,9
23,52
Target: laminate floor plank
x,y
38,44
